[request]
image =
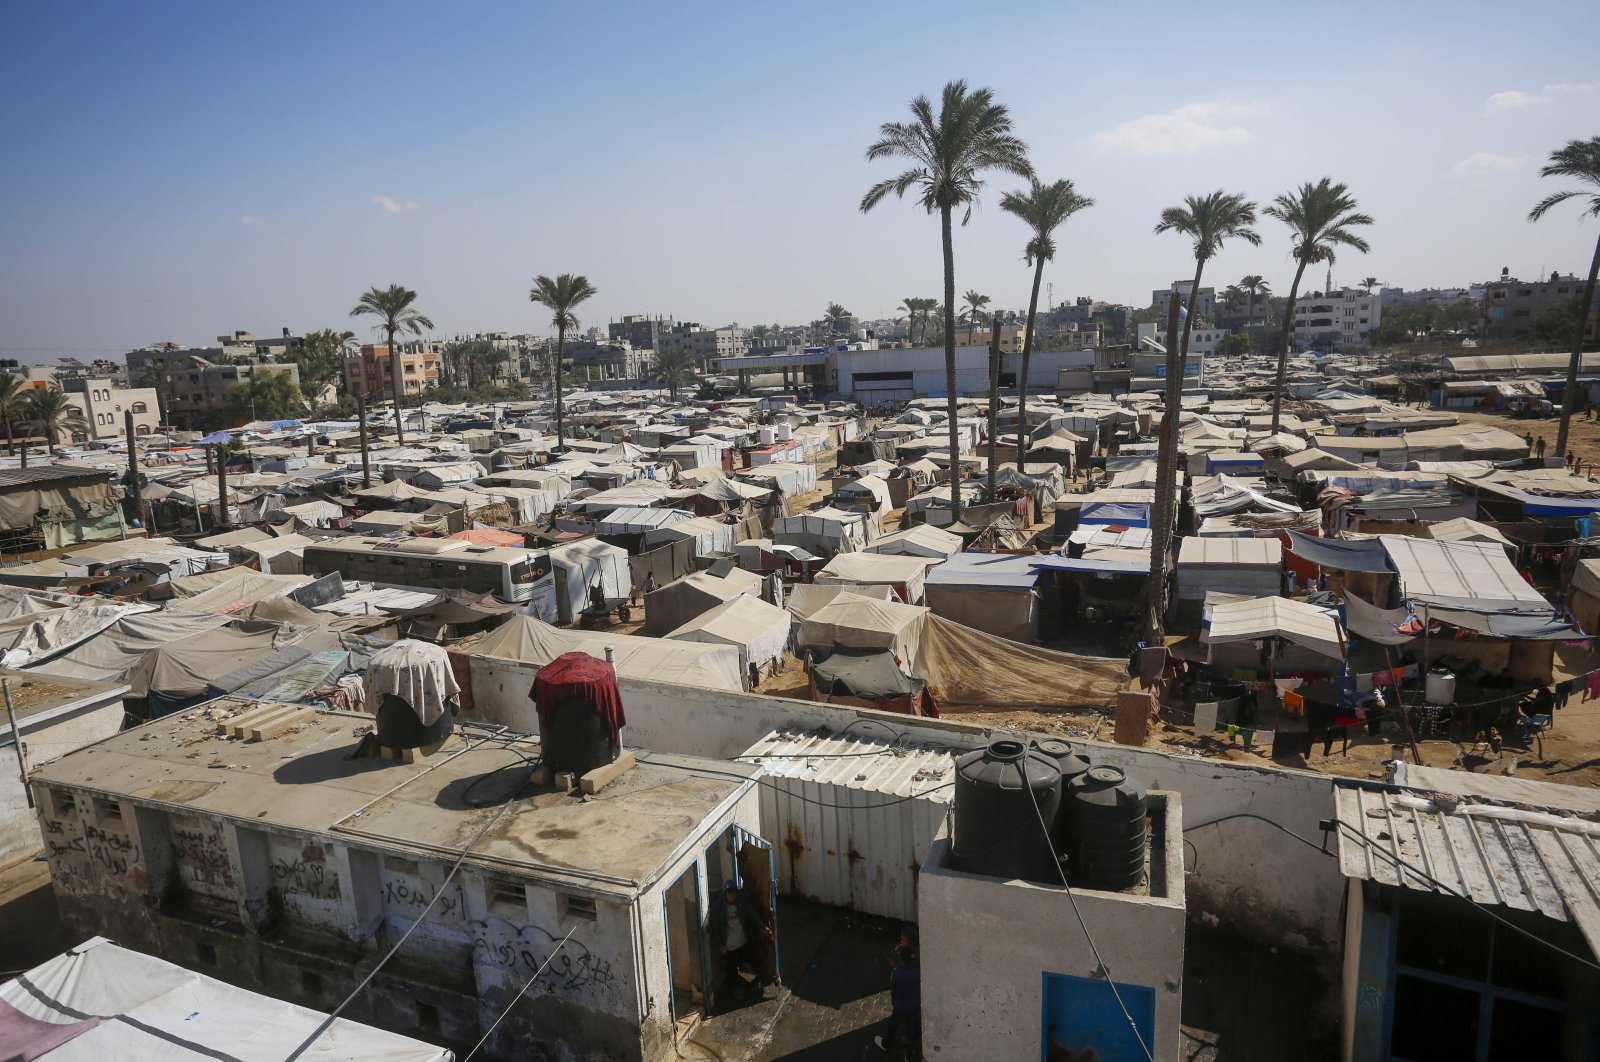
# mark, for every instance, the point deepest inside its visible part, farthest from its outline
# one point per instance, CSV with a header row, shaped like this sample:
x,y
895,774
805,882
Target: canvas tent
x,y
992,592
806,598
578,567
758,630
857,622
1250,566
824,531
904,574
1251,619
919,540
526,640
100,1001
709,536
677,603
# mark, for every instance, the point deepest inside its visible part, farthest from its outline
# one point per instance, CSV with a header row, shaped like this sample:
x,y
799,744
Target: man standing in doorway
x,y
735,925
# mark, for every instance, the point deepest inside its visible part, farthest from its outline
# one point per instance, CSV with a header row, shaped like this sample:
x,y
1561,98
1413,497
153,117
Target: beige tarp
x,y
530,641
668,564
417,673
880,568
65,492
857,622
37,636
231,588
806,598
673,605
760,631
965,668
119,648
1007,613
186,666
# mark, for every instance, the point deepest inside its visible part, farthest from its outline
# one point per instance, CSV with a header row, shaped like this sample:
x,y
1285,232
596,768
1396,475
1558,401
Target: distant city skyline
x,y
177,172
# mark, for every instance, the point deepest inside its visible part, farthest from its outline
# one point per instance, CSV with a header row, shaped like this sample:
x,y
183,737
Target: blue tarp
x,y
988,571
1366,555
1128,514
216,438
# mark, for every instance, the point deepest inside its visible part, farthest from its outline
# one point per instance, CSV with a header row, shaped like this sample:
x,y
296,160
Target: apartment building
x,y
197,390
607,359
105,405
1511,306
1205,305
370,371
1202,341
640,330
1339,320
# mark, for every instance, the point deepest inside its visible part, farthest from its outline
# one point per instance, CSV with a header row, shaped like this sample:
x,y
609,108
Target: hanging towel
x,y
1152,661
1205,718
1591,683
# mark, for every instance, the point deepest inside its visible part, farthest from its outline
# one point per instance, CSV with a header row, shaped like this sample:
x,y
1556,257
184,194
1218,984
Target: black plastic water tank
x,y
1002,792
578,740
1071,764
1108,812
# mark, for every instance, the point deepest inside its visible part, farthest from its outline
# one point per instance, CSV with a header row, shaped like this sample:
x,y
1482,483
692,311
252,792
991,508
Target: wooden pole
x,y
135,494
361,426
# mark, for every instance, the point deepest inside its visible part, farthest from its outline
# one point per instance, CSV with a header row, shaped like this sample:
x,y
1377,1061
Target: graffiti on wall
x,y
524,949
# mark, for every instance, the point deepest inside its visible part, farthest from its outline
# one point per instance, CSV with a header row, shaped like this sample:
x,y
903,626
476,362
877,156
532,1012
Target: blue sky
x,y
179,171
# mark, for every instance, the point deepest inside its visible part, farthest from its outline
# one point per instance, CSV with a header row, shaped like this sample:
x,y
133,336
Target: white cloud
x,y
1187,129
1483,162
397,206
251,219
1511,99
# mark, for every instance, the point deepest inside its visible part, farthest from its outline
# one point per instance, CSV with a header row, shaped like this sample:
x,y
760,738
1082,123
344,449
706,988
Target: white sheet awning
x,y
1263,617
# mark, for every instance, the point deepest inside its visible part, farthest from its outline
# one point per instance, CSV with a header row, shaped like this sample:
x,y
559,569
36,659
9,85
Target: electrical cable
x,y
1111,982
333,1015
536,975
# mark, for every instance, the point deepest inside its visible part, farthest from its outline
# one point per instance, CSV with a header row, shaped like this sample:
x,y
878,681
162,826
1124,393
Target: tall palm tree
x,y
1209,221
913,309
1233,296
14,392
949,153
1368,284
1580,160
395,312
560,296
1043,208
51,412
974,312
1253,286
674,368
836,317
1321,217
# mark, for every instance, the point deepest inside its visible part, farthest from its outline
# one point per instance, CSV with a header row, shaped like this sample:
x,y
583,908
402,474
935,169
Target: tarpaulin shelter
x,y
490,536
671,606
228,589
758,630
386,495
447,474
919,540
180,673
1252,566
991,592
805,598
581,565
100,1001
967,668
667,563
1460,574
905,574
113,651
526,640
636,520
1252,619
825,531
857,622
708,535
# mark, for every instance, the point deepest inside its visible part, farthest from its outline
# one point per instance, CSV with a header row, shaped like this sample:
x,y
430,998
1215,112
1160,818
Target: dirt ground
x,y
1584,439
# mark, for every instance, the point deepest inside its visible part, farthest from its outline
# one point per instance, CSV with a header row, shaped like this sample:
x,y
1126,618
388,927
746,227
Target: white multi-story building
x,y
1201,340
1340,320
1205,305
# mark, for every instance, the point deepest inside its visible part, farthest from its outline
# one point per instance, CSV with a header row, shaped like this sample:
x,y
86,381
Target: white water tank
x,y
768,437
785,431
1440,687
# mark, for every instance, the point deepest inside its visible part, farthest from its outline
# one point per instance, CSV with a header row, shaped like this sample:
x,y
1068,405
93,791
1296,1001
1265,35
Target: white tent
x,y
806,598
578,566
905,574
531,641
152,1009
825,531
635,520
760,631
1248,619
919,540
710,536
857,622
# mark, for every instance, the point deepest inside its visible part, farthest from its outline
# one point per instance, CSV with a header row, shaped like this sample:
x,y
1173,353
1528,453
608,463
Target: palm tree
x,y
674,368
393,307
559,296
1368,284
1321,217
1209,221
913,308
1253,286
837,318
974,311
1580,160
760,332
949,152
1043,208
1233,296
14,392
51,412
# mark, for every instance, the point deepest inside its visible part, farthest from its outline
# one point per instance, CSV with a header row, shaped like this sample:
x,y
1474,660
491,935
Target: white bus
x,y
434,564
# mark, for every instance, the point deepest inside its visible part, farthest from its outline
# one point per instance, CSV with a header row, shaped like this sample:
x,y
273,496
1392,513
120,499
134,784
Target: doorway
x,y
686,951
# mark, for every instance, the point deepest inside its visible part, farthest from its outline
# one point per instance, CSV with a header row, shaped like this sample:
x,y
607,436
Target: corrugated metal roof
x,y
867,759
35,474
1536,861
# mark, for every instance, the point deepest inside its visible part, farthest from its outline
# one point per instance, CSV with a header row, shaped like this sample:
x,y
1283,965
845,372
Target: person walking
x,y
1528,438
1538,447
905,998
1572,456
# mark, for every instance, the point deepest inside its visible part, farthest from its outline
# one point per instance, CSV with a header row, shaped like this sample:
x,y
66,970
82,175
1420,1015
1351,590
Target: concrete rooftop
x,y
302,781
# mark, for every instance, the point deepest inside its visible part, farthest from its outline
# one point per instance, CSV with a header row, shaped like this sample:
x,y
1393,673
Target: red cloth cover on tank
x,y
578,675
